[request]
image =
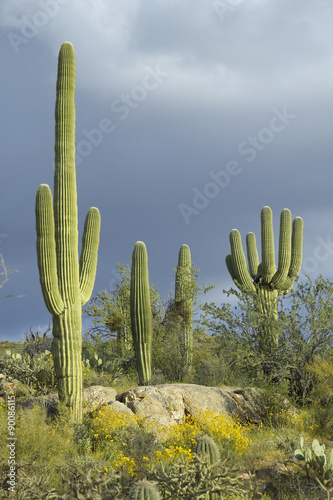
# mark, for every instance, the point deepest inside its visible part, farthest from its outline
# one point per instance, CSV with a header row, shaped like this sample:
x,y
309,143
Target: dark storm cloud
x,y
223,110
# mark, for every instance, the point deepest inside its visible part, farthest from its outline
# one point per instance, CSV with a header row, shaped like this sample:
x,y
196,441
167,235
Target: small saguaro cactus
x,y
141,314
123,311
184,299
144,490
263,278
66,282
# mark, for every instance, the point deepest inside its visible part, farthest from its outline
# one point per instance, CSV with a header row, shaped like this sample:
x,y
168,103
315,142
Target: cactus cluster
x,y
66,281
262,278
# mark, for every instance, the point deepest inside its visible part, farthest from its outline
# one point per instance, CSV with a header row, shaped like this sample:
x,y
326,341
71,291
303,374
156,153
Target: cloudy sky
x,y
190,117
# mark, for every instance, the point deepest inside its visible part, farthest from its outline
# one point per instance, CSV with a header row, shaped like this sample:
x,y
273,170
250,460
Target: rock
x,y
97,394
11,386
167,404
92,396
171,403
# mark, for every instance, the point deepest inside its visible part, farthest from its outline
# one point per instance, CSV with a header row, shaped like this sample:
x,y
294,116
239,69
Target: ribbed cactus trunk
x,y
184,300
141,314
124,330
263,279
66,282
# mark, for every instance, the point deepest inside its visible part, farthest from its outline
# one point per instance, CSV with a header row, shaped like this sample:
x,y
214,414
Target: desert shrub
x,y
304,329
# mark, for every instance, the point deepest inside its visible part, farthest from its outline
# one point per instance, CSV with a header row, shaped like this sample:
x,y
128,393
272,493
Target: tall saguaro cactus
x,y
184,299
141,314
66,282
263,278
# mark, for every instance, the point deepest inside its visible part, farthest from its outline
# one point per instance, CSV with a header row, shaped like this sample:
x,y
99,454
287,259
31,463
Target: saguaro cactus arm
x,y
296,255
46,251
252,254
268,268
284,249
89,251
239,267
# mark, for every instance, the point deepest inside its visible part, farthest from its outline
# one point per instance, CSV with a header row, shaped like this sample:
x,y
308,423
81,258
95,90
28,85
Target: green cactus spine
x,y
141,314
66,282
184,299
144,490
263,278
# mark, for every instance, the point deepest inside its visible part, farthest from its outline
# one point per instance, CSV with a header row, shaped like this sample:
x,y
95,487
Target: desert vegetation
x,y
286,455
277,339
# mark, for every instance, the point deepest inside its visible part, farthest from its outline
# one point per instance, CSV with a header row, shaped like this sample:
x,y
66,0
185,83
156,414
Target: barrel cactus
x,y
141,314
144,490
184,299
263,279
66,281
207,449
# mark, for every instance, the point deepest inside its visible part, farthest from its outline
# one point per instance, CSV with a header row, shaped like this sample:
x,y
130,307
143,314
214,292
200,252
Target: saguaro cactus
x,y
124,329
66,282
184,299
263,278
141,315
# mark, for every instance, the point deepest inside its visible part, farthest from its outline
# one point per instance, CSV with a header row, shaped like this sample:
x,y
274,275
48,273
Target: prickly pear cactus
x,y
318,459
144,490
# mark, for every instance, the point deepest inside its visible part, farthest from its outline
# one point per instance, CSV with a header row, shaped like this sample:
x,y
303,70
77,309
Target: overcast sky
x,y
190,117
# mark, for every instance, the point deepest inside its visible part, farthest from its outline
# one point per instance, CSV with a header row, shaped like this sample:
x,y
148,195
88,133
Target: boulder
x,y
167,404
92,396
170,403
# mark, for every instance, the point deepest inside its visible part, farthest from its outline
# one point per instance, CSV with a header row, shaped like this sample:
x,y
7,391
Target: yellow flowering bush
x,y
112,432
223,429
284,418
107,424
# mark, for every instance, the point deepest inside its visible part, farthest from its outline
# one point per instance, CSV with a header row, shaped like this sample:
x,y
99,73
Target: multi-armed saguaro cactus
x,y
141,314
263,278
66,282
184,299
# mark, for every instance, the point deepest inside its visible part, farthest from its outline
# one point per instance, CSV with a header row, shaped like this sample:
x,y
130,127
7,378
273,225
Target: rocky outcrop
x,y
167,404
171,403
96,395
